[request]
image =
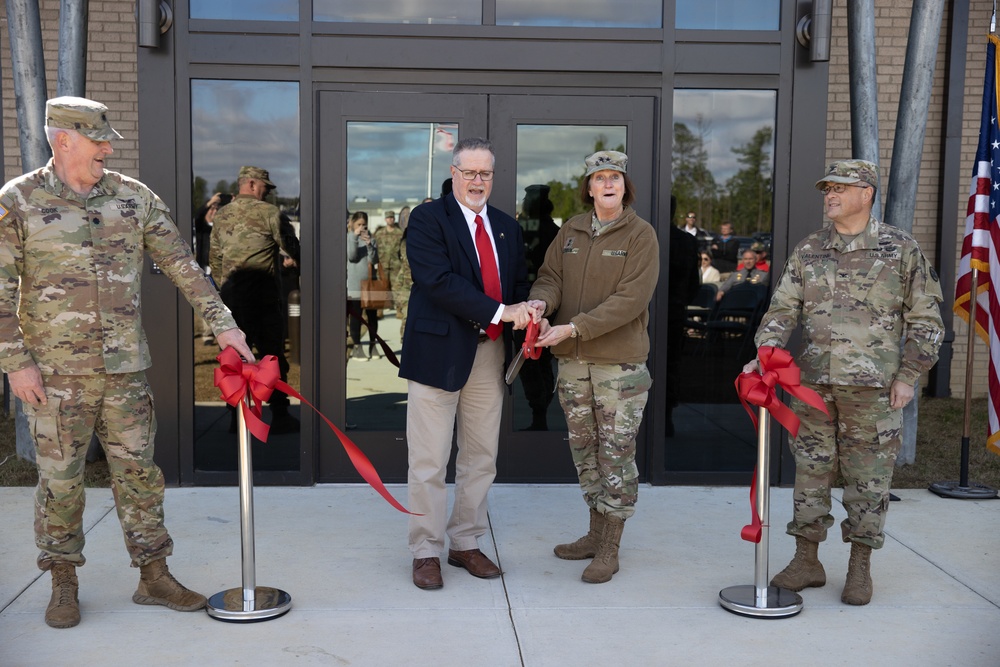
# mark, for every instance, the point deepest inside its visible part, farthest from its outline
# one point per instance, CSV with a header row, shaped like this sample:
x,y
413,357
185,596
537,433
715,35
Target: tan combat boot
x,y
858,589
158,586
586,546
805,570
605,562
64,606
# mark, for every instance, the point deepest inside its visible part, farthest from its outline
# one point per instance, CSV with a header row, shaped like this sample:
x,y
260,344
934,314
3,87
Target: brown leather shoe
x,y
427,573
475,561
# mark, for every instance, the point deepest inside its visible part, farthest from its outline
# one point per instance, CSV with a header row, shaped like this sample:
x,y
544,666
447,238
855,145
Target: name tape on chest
x,y
615,253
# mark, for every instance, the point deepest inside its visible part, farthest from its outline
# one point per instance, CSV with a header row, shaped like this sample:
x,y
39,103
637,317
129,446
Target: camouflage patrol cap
x,y
606,160
87,117
849,172
757,246
256,173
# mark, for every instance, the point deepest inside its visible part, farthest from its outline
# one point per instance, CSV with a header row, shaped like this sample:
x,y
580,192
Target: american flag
x,y
982,241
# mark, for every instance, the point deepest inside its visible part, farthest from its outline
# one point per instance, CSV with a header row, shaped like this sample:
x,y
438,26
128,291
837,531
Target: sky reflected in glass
x,y
426,12
397,162
728,14
547,153
235,123
725,119
246,10
580,13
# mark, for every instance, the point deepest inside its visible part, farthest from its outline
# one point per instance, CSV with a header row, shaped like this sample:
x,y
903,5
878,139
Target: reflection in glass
x,y
580,13
391,167
428,12
728,14
236,123
549,171
246,10
723,164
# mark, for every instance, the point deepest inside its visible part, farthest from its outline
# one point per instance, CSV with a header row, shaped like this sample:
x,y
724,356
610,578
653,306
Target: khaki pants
x,y
431,416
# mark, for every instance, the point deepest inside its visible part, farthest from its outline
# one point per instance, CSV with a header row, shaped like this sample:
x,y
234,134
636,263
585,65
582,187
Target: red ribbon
x,y
777,368
530,338
235,379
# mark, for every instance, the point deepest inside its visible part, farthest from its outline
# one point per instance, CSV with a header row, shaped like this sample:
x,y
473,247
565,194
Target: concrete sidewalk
x,y
340,552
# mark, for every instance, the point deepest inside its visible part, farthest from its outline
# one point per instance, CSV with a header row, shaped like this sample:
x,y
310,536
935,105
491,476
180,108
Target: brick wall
x,y
979,27
892,23
111,76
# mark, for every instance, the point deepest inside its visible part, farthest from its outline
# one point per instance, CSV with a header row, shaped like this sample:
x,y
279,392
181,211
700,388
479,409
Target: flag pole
x,y
962,489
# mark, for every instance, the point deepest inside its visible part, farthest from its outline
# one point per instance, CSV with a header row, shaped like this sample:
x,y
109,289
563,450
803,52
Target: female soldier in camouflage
x,y
596,282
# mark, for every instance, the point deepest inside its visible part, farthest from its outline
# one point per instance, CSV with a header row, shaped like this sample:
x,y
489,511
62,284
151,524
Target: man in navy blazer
x,y
454,356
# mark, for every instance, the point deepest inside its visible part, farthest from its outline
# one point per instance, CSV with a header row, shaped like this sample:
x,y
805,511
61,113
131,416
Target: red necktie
x,y
491,277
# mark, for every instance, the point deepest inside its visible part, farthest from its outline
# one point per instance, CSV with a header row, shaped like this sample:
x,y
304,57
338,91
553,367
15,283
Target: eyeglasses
x,y
470,175
839,188
691,217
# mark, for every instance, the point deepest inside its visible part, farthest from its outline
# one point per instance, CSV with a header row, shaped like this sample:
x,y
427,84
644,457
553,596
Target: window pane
x,y
728,14
391,168
580,13
436,12
723,151
246,10
549,170
237,123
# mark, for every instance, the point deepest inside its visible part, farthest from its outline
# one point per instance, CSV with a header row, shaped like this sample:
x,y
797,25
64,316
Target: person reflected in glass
x,y
709,274
203,219
539,229
596,283
761,251
248,239
691,224
388,240
747,274
725,249
362,256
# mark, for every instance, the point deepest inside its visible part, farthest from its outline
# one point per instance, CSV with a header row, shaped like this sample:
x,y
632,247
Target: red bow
x,y
777,368
234,378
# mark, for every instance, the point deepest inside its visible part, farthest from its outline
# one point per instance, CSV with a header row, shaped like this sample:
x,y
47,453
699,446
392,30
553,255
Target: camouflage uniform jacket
x,y
603,283
78,263
387,241
856,303
247,234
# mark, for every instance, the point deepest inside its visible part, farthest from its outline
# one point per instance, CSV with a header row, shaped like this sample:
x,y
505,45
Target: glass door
x,y
541,143
381,154
723,182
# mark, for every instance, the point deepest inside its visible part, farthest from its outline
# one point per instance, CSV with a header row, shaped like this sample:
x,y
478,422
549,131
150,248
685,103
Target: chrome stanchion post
x,y
251,602
762,600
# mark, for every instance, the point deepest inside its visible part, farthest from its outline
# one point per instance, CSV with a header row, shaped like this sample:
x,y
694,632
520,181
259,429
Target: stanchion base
x,y
268,603
955,490
742,600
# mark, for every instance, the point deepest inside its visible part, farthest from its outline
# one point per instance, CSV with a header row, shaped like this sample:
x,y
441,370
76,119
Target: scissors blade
x,y
515,367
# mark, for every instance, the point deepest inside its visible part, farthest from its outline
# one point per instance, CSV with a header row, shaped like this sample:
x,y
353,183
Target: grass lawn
x,y
939,440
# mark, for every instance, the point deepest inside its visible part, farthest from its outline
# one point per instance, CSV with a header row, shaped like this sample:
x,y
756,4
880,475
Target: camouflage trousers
x,y
859,441
603,405
119,408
